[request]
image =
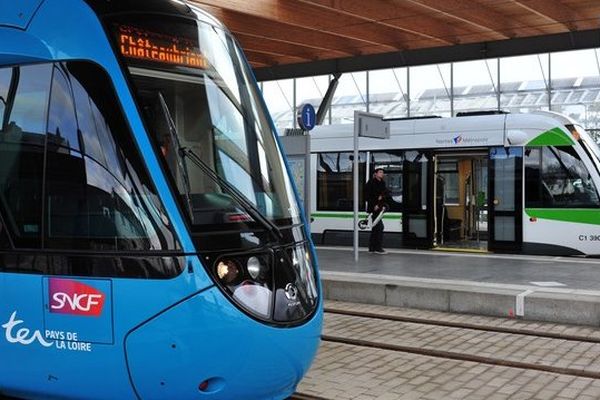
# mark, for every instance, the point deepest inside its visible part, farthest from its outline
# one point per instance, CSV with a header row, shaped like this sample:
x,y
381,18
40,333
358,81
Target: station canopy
x,y
292,38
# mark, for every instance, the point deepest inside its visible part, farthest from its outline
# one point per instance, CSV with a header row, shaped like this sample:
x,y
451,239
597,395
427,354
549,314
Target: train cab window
x,y
98,195
62,123
533,169
391,162
203,125
556,177
90,139
25,92
29,102
335,181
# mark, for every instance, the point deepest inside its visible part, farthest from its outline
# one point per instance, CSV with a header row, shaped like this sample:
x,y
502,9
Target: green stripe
x,y
582,216
553,137
348,215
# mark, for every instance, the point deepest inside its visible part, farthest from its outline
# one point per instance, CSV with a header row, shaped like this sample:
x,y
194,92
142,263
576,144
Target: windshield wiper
x,y
184,152
233,191
180,160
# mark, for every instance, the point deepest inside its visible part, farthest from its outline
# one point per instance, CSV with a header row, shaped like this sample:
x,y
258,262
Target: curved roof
x,y
278,33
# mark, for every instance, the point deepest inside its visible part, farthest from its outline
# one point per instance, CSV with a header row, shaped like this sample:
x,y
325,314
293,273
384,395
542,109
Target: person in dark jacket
x,y
376,194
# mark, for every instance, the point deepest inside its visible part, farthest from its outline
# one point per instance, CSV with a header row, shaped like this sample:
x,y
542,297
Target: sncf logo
x,y
457,140
72,297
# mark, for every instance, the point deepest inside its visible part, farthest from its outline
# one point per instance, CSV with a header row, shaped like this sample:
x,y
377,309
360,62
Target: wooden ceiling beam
x,y
473,14
257,64
378,12
260,27
267,59
554,11
299,15
275,46
276,54
298,46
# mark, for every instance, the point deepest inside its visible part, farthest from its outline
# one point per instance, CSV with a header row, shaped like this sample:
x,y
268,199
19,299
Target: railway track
x,y
377,334
304,396
462,325
458,355
464,357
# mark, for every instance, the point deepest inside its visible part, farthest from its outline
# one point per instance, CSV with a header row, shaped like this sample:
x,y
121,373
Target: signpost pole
x,y
355,177
367,125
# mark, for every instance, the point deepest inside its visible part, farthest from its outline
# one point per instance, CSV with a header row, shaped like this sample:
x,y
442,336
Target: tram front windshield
x,y
202,107
590,145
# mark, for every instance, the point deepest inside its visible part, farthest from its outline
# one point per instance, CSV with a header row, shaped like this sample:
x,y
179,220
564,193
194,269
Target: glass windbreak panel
x,y
576,85
311,90
279,98
25,91
524,83
388,92
566,179
212,132
391,162
335,181
475,85
430,90
350,95
99,197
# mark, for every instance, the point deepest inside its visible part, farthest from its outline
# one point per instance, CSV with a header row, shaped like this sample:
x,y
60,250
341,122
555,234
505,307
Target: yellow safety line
x,y
460,250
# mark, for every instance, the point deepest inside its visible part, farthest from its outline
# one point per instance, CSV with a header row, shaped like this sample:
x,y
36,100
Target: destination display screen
x,y
144,45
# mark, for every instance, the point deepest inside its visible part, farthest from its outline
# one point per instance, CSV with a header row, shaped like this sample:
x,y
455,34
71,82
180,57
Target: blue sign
x,y
307,118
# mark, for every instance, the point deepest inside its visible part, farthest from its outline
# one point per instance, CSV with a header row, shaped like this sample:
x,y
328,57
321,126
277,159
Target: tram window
x,y
416,163
448,172
28,114
534,196
391,162
22,150
101,199
335,181
62,123
555,177
87,126
5,79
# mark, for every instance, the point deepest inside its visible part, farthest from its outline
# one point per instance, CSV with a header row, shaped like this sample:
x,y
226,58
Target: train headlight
x,y
276,285
228,271
256,268
247,279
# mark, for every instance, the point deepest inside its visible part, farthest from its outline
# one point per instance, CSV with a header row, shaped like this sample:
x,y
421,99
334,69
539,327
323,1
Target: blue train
x,y
151,241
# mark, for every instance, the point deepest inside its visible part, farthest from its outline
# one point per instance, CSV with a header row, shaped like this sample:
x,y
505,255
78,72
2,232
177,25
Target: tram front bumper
x,y
206,348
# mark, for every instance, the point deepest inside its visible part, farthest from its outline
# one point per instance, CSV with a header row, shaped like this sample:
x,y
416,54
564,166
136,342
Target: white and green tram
x,y
524,183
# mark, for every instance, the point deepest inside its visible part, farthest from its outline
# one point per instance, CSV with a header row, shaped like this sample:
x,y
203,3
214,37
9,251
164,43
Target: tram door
x,y
505,194
417,189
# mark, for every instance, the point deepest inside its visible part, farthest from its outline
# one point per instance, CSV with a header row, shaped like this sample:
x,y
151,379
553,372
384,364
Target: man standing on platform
x,y
376,194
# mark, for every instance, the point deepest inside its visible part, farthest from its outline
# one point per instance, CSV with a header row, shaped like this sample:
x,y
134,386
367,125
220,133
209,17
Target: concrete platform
x,y
552,289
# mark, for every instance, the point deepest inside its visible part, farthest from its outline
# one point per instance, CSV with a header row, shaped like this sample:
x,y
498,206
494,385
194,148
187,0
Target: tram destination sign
x,y
144,45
